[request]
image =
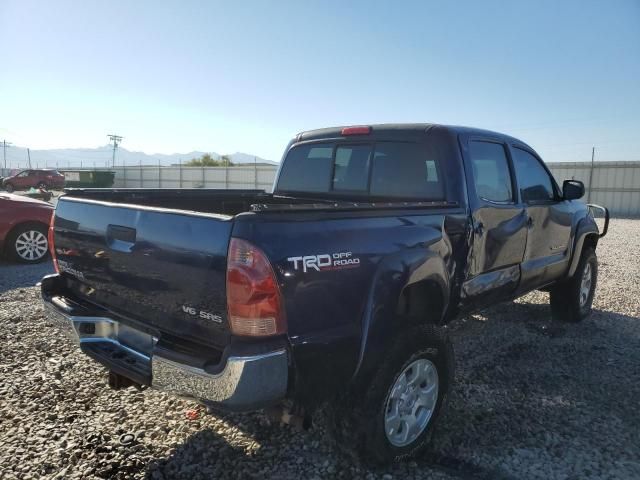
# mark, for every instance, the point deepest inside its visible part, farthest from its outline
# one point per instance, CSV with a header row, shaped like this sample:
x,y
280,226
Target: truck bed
x,y
233,202
224,202
156,258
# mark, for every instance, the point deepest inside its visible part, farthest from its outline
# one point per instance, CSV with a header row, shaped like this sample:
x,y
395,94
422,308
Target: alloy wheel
x,y
585,285
31,245
411,402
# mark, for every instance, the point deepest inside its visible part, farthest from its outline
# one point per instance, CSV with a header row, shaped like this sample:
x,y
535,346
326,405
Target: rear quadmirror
x,y
572,189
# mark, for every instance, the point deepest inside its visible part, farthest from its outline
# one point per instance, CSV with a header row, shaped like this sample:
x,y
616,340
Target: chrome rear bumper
x,y
245,382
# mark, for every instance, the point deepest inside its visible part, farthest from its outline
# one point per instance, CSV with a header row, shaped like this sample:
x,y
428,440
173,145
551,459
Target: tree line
x,y
207,160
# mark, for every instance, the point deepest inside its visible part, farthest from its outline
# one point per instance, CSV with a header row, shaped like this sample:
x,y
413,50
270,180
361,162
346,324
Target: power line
x,y
116,139
568,121
591,143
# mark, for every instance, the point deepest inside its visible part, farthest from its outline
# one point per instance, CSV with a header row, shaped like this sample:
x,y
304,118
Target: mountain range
x,y
17,157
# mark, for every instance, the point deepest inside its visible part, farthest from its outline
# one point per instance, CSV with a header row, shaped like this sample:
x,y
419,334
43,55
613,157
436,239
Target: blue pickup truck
x,y
333,290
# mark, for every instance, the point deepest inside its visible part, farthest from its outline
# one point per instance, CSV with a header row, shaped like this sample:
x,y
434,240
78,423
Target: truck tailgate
x,y
162,269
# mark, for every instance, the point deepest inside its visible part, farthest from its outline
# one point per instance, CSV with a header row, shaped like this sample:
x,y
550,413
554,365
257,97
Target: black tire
x,y
16,252
567,301
9,187
357,419
42,186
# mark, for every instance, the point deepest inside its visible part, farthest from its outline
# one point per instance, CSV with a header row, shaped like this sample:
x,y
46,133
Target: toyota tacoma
x,y
333,290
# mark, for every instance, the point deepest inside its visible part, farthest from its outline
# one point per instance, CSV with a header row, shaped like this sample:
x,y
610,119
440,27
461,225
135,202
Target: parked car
x,y
335,289
26,179
24,227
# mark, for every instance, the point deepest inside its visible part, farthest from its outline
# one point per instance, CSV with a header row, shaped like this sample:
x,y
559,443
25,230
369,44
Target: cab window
x,y
491,174
351,168
380,170
534,182
307,169
405,170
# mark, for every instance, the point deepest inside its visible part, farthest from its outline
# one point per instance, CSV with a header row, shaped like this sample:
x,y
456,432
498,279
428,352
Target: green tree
x,y
207,160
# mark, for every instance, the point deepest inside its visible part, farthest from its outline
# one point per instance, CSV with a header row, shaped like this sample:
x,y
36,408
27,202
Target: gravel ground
x,y
533,399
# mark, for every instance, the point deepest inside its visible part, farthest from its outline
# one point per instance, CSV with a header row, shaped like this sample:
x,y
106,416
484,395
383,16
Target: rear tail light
x,y
253,297
356,131
52,248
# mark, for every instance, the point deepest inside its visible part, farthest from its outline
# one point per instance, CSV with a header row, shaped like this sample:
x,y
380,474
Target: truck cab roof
x,y
398,131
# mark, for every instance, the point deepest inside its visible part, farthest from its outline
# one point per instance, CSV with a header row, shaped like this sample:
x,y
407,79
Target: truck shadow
x,y
283,452
523,384
204,453
249,447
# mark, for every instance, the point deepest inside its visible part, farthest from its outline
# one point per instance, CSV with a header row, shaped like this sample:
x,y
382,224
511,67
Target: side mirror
x,y
572,189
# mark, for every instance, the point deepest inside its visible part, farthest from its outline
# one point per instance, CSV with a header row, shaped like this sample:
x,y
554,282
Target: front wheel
x,y
392,418
9,187
571,300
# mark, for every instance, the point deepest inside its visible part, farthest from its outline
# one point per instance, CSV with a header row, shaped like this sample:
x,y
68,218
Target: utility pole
x,y
116,139
5,144
593,156
29,157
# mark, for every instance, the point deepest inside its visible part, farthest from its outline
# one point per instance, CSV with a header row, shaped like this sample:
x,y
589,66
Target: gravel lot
x,y
533,399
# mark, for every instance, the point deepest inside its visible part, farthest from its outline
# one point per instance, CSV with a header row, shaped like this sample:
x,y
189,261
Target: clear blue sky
x,y
246,76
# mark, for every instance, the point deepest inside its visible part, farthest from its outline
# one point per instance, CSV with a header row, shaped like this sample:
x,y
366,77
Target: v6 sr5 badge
x,y
325,261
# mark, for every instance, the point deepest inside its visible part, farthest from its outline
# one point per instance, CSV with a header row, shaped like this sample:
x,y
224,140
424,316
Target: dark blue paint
x,y
176,260
145,263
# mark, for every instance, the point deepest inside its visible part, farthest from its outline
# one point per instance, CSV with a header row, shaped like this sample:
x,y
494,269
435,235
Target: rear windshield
x,y
394,170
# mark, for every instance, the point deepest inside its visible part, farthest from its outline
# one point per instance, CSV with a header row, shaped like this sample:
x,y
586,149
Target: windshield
x,y
385,170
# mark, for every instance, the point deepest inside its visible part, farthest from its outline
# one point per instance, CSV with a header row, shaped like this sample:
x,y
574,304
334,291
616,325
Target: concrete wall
x,y
249,177
615,185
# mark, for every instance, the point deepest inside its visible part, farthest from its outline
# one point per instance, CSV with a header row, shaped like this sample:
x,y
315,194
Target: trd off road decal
x,y
325,261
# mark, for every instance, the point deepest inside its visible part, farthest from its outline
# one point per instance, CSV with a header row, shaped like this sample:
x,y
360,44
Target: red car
x,y
24,228
46,179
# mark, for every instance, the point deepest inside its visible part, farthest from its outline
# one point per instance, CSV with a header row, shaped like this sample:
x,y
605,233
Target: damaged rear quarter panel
x,y
345,312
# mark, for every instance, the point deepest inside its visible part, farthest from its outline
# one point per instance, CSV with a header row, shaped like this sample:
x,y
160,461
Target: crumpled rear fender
x,y
395,273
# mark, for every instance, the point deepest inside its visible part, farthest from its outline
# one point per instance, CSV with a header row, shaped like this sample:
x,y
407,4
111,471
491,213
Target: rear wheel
x,y
42,186
411,402
9,187
28,244
392,418
571,300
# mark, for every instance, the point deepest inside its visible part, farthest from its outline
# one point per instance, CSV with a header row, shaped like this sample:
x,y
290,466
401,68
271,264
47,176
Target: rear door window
x,y
491,173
